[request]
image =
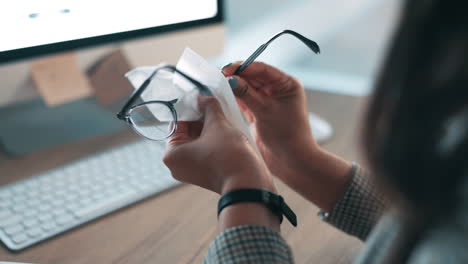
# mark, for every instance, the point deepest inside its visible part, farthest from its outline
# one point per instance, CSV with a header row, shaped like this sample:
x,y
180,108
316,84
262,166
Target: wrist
x,y
320,176
247,214
248,181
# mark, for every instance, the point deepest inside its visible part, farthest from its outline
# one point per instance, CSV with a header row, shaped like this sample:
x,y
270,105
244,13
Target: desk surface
x,y
173,227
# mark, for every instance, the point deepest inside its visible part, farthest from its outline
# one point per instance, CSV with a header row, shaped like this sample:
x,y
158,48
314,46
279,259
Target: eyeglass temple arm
x,y
309,43
137,93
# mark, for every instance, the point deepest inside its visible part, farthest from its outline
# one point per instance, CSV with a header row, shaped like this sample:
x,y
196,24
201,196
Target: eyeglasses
x,y
141,116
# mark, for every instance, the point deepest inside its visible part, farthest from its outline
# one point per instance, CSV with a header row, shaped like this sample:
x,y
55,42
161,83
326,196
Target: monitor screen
x,y
32,27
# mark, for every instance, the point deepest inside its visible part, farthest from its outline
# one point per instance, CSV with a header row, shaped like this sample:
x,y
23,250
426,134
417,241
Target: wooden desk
x,y
177,226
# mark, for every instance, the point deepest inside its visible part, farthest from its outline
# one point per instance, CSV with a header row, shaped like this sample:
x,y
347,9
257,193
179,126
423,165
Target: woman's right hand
x,y
275,105
215,155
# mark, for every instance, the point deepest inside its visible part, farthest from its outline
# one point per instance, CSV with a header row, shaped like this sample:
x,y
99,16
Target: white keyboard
x,y
48,204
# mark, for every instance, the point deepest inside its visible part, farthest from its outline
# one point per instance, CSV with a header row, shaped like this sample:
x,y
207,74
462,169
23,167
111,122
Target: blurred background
x,y
352,36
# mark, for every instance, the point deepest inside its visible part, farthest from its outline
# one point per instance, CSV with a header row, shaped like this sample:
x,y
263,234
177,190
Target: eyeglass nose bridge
x,y
127,117
123,116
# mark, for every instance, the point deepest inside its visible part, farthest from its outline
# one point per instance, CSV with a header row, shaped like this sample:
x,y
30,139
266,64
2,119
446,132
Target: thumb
x,y
213,113
246,93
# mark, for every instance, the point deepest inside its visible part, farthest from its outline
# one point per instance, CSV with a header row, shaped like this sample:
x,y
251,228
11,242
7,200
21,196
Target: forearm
x,y
254,214
319,176
347,193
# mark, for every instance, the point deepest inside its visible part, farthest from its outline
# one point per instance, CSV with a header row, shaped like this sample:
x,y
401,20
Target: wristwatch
x,y
272,201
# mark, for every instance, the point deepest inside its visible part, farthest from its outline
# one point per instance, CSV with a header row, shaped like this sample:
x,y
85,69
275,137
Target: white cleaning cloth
x,y
166,86
162,88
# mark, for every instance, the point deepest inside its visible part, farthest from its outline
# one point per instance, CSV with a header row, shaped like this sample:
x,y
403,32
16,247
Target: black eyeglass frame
x,y
308,42
128,107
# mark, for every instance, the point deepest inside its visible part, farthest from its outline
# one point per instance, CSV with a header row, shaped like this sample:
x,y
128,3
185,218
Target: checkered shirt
x,y
356,214
360,208
249,244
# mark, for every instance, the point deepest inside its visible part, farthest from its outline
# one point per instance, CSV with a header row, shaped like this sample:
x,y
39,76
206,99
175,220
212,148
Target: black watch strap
x,y
272,201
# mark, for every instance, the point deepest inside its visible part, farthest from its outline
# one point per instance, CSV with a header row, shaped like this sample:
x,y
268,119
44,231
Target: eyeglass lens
x,y
153,120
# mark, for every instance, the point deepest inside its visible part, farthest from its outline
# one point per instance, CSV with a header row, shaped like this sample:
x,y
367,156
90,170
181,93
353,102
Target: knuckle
x,y
167,159
241,91
261,64
170,159
293,81
236,135
211,101
176,176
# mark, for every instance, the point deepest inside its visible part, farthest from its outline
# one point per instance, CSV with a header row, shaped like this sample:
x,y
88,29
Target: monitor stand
x,y
65,112
59,79
32,126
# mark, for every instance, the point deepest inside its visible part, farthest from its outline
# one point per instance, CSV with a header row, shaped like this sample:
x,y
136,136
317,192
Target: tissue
x,y
167,86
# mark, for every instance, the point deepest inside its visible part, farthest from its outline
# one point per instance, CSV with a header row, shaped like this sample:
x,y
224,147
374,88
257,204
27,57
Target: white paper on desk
x,y
198,68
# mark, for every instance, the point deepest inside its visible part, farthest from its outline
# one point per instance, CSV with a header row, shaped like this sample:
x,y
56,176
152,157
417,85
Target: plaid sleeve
x,y
359,209
249,244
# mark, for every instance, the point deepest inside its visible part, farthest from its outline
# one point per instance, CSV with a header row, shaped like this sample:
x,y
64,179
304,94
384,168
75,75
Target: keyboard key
x,y
10,221
99,196
59,211
85,191
32,184
70,196
45,207
30,212
11,230
49,226
19,198
61,192
57,202
5,203
19,208
44,217
65,219
33,202
45,188
30,223
5,194
47,198
34,232
20,238
18,189
5,213
105,204
72,206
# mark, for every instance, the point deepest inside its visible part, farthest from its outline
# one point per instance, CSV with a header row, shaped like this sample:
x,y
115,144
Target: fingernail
x,y
233,82
227,65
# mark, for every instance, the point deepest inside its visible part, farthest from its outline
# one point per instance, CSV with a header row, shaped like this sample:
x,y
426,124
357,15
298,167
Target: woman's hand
x,y
214,155
275,104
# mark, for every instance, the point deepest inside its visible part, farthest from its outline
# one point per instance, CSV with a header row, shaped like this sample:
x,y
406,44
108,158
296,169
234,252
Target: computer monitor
x,y
146,31
32,27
